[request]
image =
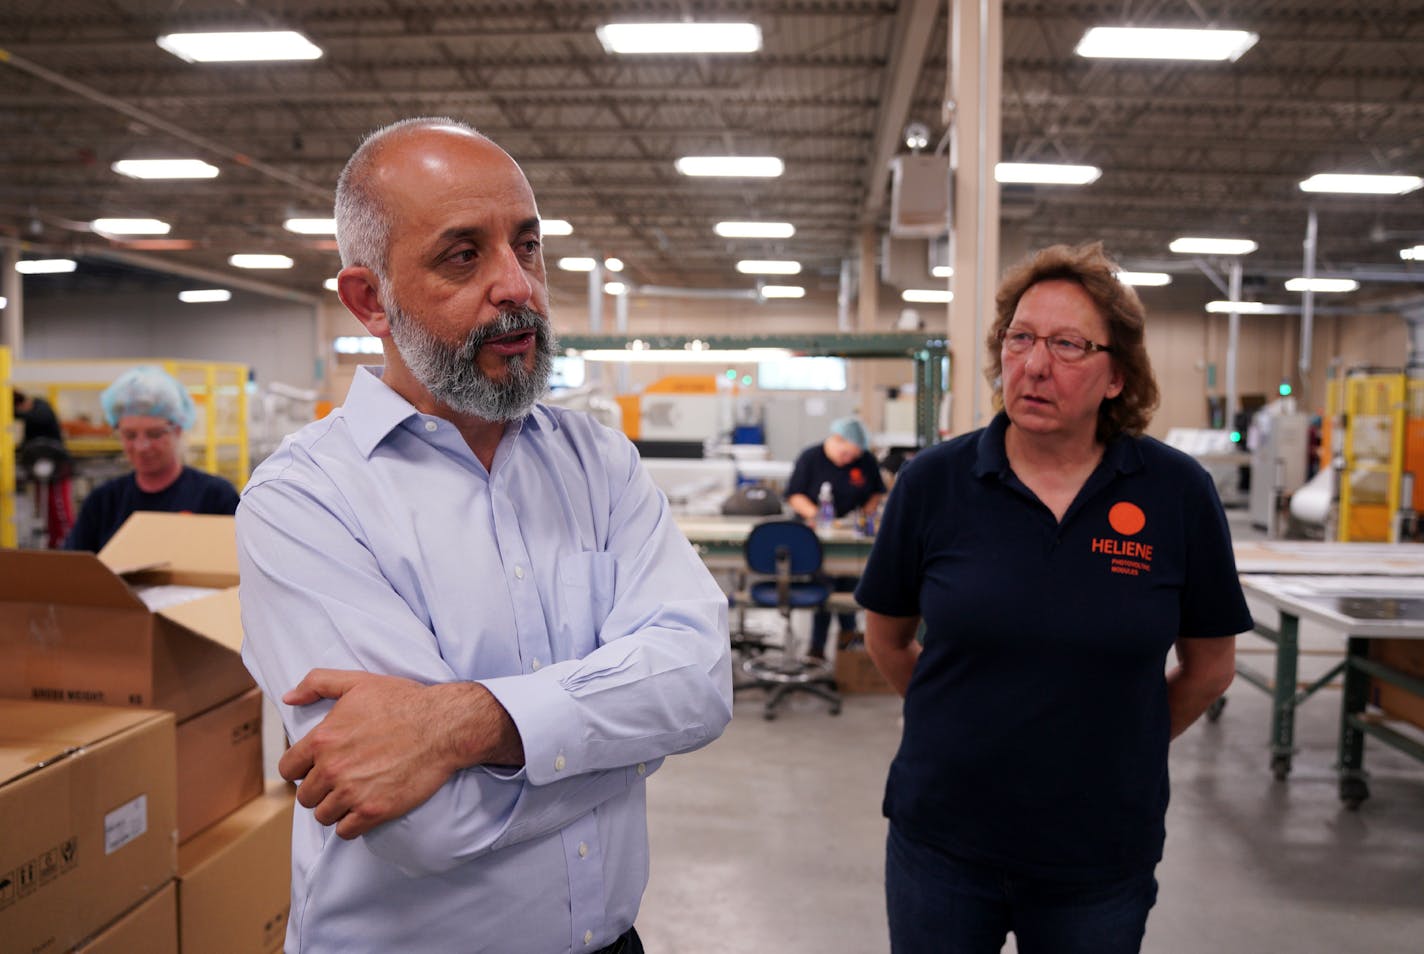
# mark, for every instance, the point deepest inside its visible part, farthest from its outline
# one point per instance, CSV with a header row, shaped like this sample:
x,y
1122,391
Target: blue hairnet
x,y
147,391
852,430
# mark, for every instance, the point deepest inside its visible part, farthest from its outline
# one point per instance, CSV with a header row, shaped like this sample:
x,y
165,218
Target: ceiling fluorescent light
x,y
1045,173
1353,184
130,226
751,266
1246,308
165,169
204,294
577,264
735,167
1188,245
555,227
682,356
239,47
1150,279
45,266
246,260
4,301
615,288
311,226
782,291
613,264
754,229
928,295
1152,43
330,284
1322,284
665,38
942,271
1415,254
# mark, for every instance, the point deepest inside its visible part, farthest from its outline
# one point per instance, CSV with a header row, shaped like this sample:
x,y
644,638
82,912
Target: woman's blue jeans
x,y
938,904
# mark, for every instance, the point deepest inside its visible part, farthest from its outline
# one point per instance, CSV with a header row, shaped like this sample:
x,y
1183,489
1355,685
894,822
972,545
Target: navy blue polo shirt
x,y
851,485
1036,721
111,503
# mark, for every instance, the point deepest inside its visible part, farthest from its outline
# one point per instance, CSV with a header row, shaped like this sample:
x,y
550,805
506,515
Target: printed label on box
x,y
125,823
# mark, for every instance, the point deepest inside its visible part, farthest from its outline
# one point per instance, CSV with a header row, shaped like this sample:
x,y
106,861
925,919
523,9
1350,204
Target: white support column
x,y
1233,342
976,57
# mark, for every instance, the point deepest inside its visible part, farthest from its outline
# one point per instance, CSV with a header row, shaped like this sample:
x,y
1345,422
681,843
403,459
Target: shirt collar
x,y
1122,454
373,409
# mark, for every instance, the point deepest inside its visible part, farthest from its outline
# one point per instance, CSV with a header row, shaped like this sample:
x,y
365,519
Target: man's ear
x,y
360,291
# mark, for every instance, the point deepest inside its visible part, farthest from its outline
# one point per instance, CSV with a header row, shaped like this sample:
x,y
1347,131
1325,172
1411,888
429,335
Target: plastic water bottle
x,y
826,514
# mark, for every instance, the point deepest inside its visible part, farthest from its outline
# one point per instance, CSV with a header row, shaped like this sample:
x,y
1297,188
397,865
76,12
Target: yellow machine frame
x,y
1369,408
9,533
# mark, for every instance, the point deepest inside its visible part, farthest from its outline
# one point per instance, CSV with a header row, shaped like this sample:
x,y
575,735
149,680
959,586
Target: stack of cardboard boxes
x,y
133,812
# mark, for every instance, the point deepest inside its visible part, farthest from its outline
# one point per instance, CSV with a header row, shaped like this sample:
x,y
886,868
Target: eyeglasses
x,y
1066,348
151,434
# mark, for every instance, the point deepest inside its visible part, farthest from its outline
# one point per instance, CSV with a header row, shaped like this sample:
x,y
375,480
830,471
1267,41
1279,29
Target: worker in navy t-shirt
x,y
149,411
1054,559
844,461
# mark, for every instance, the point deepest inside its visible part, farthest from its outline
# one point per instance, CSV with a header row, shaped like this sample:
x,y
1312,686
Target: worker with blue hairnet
x,y
149,410
839,474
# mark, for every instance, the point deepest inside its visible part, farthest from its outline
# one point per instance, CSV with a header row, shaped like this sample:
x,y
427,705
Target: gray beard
x,y
452,372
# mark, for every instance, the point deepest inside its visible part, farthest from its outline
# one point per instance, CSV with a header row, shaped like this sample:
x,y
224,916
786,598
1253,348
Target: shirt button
x,y
535,665
583,849
558,763
519,572
588,937
642,768
431,425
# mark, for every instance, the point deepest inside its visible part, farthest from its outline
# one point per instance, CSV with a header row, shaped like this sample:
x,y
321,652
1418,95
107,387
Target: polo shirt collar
x,y
1122,455
373,409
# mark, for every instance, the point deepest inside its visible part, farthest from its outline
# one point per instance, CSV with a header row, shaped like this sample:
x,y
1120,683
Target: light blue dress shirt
x,y
374,539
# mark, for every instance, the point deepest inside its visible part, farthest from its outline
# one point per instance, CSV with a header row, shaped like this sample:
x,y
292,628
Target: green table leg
x,y
1283,695
1354,789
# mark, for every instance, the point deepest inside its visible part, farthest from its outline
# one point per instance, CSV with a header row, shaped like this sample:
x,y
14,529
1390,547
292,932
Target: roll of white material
x,y
1311,503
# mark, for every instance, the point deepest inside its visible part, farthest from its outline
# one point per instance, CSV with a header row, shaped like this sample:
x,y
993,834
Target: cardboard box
x,y
73,627
88,806
1406,655
219,762
150,928
235,879
855,673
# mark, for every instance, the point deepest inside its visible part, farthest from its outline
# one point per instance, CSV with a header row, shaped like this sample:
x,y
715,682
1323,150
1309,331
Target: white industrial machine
x,y
1279,440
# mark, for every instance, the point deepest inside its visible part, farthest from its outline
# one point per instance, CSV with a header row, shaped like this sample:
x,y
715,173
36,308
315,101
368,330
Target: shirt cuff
x,y
547,720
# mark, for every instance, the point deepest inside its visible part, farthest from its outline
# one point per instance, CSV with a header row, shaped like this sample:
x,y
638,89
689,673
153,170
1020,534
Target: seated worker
x,y
844,461
149,410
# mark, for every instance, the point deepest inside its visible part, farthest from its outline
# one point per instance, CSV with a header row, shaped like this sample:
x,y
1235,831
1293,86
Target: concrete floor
x,y
771,838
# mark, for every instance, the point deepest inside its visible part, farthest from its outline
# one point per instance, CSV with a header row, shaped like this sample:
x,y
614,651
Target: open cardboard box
x,y
73,627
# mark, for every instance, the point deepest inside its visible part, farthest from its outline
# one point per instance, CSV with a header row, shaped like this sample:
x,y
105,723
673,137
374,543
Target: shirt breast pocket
x,y
587,583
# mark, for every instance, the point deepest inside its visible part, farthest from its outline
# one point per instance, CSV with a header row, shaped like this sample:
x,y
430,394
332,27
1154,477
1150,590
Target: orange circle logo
x,y
1126,518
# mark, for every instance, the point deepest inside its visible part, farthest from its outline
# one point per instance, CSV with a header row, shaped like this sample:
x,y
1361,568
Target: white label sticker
x,y
125,823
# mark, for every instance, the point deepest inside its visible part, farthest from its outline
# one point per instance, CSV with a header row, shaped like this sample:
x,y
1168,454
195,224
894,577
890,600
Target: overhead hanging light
x,y
1156,43
1195,245
577,263
675,37
782,291
1322,284
555,227
313,226
927,295
45,266
942,271
682,355
754,229
1349,183
130,226
250,260
731,167
1149,279
165,169
1247,308
754,266
330,284
1045,173
1415,254
198,295
615,288
613,264
237,47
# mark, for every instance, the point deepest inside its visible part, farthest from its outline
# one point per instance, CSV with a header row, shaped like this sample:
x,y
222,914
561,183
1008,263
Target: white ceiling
x,y
1184,148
